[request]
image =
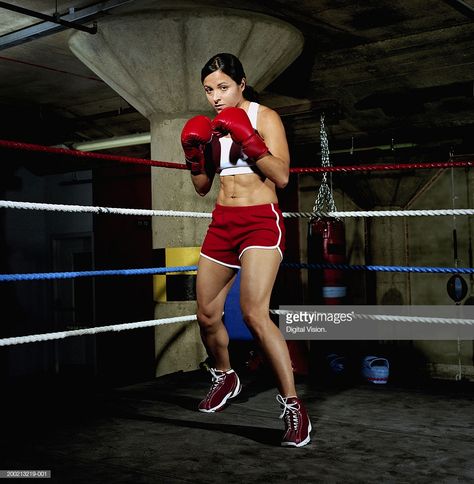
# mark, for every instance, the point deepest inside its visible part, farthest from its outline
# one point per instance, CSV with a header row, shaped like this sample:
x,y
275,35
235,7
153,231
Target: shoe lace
x,y
289,411
217,379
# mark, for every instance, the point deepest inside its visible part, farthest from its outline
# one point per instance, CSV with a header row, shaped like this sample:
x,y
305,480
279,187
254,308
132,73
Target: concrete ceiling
x,y
383,72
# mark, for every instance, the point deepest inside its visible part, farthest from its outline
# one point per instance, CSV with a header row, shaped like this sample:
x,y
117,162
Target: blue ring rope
x,y
290,265
113,272
431,270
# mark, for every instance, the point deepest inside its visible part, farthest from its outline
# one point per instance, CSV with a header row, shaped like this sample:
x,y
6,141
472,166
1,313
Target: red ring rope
x,y
181,166
383,167
16,145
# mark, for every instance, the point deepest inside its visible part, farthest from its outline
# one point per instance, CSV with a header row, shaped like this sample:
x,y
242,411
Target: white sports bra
x,y
232,160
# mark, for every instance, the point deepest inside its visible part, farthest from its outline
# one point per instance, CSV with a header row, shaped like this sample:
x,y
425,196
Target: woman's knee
x,y
257,319
208,318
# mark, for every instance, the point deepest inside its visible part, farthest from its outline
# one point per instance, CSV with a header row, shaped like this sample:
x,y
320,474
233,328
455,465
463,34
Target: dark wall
x,y
27,239
288,287
123,242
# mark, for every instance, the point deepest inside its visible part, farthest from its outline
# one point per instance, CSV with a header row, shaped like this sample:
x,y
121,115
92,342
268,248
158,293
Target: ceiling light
x,y
115,142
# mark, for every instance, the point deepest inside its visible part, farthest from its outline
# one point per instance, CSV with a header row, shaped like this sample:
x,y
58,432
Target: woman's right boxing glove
x,y
197,132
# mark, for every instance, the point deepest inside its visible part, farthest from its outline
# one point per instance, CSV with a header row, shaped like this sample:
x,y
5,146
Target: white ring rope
x,y
381,213
173,213
105,210
415,319
401,319
33,338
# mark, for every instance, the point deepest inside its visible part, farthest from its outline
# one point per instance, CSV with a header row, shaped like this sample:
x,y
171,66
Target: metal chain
x,y
324,200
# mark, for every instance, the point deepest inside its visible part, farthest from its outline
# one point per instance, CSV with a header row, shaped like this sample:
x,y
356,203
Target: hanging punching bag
x,y
326,244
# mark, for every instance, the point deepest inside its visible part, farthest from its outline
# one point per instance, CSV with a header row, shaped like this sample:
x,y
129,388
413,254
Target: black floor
x,y
151,433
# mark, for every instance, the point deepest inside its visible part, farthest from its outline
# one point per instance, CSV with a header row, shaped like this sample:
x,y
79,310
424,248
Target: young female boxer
x,y
246,145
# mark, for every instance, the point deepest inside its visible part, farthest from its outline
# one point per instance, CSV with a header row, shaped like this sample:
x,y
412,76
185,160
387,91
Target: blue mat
x,y
233,319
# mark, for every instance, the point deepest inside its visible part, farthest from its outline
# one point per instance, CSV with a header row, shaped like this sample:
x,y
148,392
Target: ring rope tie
x,y
33,338
16,145
290,265
175,213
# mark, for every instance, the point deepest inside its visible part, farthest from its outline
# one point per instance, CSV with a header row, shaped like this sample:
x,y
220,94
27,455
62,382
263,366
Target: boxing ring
x,y
139,432
106,211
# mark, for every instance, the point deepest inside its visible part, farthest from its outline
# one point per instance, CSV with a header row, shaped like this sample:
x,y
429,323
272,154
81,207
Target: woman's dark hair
x,y
229,64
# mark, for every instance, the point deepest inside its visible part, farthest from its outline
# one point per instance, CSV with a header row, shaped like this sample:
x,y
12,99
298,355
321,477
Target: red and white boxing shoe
x,y
225,385
297,423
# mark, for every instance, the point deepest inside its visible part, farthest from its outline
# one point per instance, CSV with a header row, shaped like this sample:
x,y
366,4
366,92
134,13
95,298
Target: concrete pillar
x,y
153,59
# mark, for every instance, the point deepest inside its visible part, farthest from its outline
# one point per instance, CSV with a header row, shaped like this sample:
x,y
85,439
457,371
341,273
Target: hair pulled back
x,y
229,64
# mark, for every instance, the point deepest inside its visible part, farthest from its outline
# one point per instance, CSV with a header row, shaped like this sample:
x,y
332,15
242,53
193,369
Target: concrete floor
x,y
151,433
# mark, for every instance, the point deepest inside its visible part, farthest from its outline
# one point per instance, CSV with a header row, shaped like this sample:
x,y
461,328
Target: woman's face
x,y
222,91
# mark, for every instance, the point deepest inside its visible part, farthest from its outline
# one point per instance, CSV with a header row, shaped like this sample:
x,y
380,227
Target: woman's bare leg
x,y
213,283
259,270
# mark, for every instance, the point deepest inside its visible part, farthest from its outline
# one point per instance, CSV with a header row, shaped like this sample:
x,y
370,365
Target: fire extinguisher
x,y
326,245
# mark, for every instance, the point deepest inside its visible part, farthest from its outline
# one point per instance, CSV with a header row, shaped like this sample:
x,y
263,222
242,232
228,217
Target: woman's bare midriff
x,y
247,189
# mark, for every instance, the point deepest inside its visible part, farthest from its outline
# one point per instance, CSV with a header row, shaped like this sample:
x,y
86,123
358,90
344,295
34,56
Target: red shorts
x,y
233,230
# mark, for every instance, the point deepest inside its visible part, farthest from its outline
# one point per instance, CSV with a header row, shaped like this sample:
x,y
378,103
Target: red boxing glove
x,y
236,122
197,132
